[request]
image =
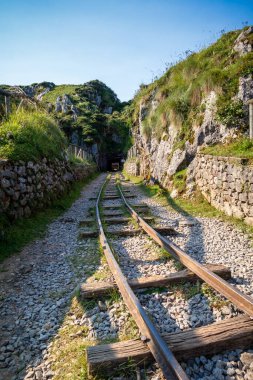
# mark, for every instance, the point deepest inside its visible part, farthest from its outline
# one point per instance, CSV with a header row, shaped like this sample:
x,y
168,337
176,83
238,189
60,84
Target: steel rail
x,y
242,301
166,360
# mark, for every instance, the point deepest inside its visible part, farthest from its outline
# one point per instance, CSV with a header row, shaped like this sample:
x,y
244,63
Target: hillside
x,y
89,114
200,101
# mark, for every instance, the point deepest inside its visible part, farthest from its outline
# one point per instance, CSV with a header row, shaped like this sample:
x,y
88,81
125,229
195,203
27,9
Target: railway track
x,y
237,332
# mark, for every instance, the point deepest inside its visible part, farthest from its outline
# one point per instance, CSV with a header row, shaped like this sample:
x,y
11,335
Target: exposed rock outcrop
x,y
211,114
243,44
63,104
161,159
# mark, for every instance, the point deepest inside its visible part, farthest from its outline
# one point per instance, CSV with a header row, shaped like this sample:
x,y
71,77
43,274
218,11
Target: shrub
x,y
31,136
179,180
231,113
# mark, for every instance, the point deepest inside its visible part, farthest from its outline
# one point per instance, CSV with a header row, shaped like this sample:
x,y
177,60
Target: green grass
x,y
215,300
132,178
179,180
197,206
63,89
242,148
194,207
23,231
77,160
31,136
180,91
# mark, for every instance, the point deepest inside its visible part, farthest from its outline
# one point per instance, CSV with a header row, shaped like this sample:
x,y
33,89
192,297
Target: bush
x,y
231,113
179,180
31,136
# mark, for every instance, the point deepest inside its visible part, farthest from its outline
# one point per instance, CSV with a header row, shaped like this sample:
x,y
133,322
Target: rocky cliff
x,y
89,114
201,100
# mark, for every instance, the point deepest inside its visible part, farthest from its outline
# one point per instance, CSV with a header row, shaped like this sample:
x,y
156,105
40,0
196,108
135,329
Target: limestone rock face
x,y
58,106
178,158
40,96
63,104
160,159
192,105
242,44
245,88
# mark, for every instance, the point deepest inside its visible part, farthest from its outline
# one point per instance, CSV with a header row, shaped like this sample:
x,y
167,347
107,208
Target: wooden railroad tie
x,y
97,289
207,340
114,219
88,234
109,197
140,206
162,230
113,213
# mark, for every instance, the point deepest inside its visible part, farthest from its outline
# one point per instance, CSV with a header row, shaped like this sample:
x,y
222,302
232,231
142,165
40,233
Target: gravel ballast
x,y
36,296
35,304
208,240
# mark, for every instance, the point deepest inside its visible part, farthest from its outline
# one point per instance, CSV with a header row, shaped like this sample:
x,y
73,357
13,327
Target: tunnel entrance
x,y
115,162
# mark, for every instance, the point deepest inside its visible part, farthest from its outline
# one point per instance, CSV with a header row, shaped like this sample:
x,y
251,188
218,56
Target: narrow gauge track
x,y
159,348
163,355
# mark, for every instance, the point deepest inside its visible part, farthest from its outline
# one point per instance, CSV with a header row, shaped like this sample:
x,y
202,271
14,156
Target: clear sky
x,y
122,42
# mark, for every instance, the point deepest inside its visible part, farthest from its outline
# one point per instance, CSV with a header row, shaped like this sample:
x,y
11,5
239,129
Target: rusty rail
x,y
162,354
242,301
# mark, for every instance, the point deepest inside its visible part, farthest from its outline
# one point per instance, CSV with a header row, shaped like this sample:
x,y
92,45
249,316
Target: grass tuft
x,y
242,148
31,136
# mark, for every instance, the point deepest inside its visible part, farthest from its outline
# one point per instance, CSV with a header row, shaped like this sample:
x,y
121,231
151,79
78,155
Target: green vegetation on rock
x,y
31,136
179,180
242,148
196,206
88,114
177,97
64,89
98,120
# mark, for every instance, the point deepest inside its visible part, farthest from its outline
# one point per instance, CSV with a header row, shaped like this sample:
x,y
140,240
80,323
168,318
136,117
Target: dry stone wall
x,y
227,183
25,187
131,166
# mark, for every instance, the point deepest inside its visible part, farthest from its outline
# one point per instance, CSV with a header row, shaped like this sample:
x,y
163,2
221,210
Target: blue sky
x,y
121,42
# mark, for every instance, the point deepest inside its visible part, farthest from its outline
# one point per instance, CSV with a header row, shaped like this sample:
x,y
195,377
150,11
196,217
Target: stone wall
x,y
227,183
25,187
132,166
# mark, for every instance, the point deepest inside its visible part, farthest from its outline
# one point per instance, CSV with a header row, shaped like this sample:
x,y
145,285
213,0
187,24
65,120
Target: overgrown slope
x,y
31,137
201,100
89,114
